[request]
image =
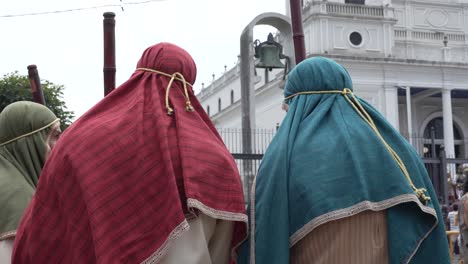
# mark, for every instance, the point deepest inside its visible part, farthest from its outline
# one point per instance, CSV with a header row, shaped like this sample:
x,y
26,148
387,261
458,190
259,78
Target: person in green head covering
x,y
338,184
28,132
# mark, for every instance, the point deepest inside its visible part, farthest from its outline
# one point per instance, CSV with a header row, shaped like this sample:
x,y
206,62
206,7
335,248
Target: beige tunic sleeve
x,y
359,239
208,241
6,249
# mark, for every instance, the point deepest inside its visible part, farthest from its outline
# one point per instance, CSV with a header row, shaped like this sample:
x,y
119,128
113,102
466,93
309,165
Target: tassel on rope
x,y
175,76
354,102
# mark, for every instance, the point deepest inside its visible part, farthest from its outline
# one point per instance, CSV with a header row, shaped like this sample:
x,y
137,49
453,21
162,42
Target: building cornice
x,y
347,17
397,61
230,76
430,3
316,10
226,110
276,83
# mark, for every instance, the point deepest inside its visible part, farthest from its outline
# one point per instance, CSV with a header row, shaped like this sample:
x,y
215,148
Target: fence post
x,y
433,146
434,178
443,175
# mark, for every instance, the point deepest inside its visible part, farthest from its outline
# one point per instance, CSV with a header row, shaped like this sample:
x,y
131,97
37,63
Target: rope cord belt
x,y
30,133
175,76
354,102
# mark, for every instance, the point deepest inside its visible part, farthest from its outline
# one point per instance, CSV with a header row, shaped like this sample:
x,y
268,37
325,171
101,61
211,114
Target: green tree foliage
x,y
15,87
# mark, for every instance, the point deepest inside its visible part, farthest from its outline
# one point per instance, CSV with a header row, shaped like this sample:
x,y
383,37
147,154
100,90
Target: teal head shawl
x,y
327,162
23,135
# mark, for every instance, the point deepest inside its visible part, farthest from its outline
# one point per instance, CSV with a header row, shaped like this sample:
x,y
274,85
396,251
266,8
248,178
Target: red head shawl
x,y
122,180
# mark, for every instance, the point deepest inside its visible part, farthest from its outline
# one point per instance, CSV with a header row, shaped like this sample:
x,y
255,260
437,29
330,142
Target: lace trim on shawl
x,y
217,214
162,250
360,207
7,235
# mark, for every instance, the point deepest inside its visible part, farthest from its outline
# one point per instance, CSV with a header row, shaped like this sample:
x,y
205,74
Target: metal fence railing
x,y
261,138
441,169
248,165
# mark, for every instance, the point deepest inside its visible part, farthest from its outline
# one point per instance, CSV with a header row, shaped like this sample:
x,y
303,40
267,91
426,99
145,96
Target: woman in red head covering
x,y
142,177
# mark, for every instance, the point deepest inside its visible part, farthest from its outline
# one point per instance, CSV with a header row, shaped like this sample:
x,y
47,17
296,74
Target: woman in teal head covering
x,y
338,184
28,132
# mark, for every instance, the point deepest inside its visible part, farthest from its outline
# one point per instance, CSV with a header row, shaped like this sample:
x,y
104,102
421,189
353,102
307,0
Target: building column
x,y
409,114
391,106
448,123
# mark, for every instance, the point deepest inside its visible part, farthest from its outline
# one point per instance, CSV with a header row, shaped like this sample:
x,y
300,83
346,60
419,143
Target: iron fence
x,y
428,148
431,145
444,174
261,138
247,163
441,169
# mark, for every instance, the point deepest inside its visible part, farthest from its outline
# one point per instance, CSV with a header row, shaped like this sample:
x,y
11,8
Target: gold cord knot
x,y
175,76
356,105
346,91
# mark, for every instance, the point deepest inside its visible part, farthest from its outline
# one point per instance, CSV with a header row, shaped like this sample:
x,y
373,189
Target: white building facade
x,y
408,58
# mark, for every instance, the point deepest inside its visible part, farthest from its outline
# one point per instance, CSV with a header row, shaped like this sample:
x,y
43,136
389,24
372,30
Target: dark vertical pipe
x,y
443,192
109,52
33,75
433,145
298,31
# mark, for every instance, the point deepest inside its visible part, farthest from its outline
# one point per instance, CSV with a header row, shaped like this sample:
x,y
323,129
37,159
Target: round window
x,y
355,38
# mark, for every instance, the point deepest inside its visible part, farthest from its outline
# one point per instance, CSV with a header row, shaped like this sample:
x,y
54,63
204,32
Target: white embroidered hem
x,y
360,207
162,250
217,214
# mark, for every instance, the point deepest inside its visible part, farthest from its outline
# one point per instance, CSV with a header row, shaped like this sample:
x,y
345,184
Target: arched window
x,y
435,130
219,104
232,96
438,125
208,110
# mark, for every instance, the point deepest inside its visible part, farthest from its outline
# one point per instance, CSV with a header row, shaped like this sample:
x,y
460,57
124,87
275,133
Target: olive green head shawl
x,y
23,134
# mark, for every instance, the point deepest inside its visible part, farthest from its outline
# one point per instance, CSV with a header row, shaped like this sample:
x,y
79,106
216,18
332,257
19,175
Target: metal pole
x,y
109,52
35,81
443,174
298,31
409,114
434,177
433,146
247,106
247,68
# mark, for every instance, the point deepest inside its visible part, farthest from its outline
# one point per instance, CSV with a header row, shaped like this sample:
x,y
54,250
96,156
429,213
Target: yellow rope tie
x,y
30,133
175,76
420,193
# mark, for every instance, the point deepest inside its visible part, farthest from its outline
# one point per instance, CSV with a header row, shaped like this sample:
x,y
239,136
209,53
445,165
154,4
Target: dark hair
x,y
455,207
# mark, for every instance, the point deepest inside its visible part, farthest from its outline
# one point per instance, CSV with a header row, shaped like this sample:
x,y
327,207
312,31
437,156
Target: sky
x,y
67,47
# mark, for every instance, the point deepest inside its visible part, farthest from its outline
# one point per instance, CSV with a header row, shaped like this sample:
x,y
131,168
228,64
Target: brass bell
x,y
269,54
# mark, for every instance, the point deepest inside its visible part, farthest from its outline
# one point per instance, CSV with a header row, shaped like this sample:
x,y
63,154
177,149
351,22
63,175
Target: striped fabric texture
x,y
123,178
361,238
